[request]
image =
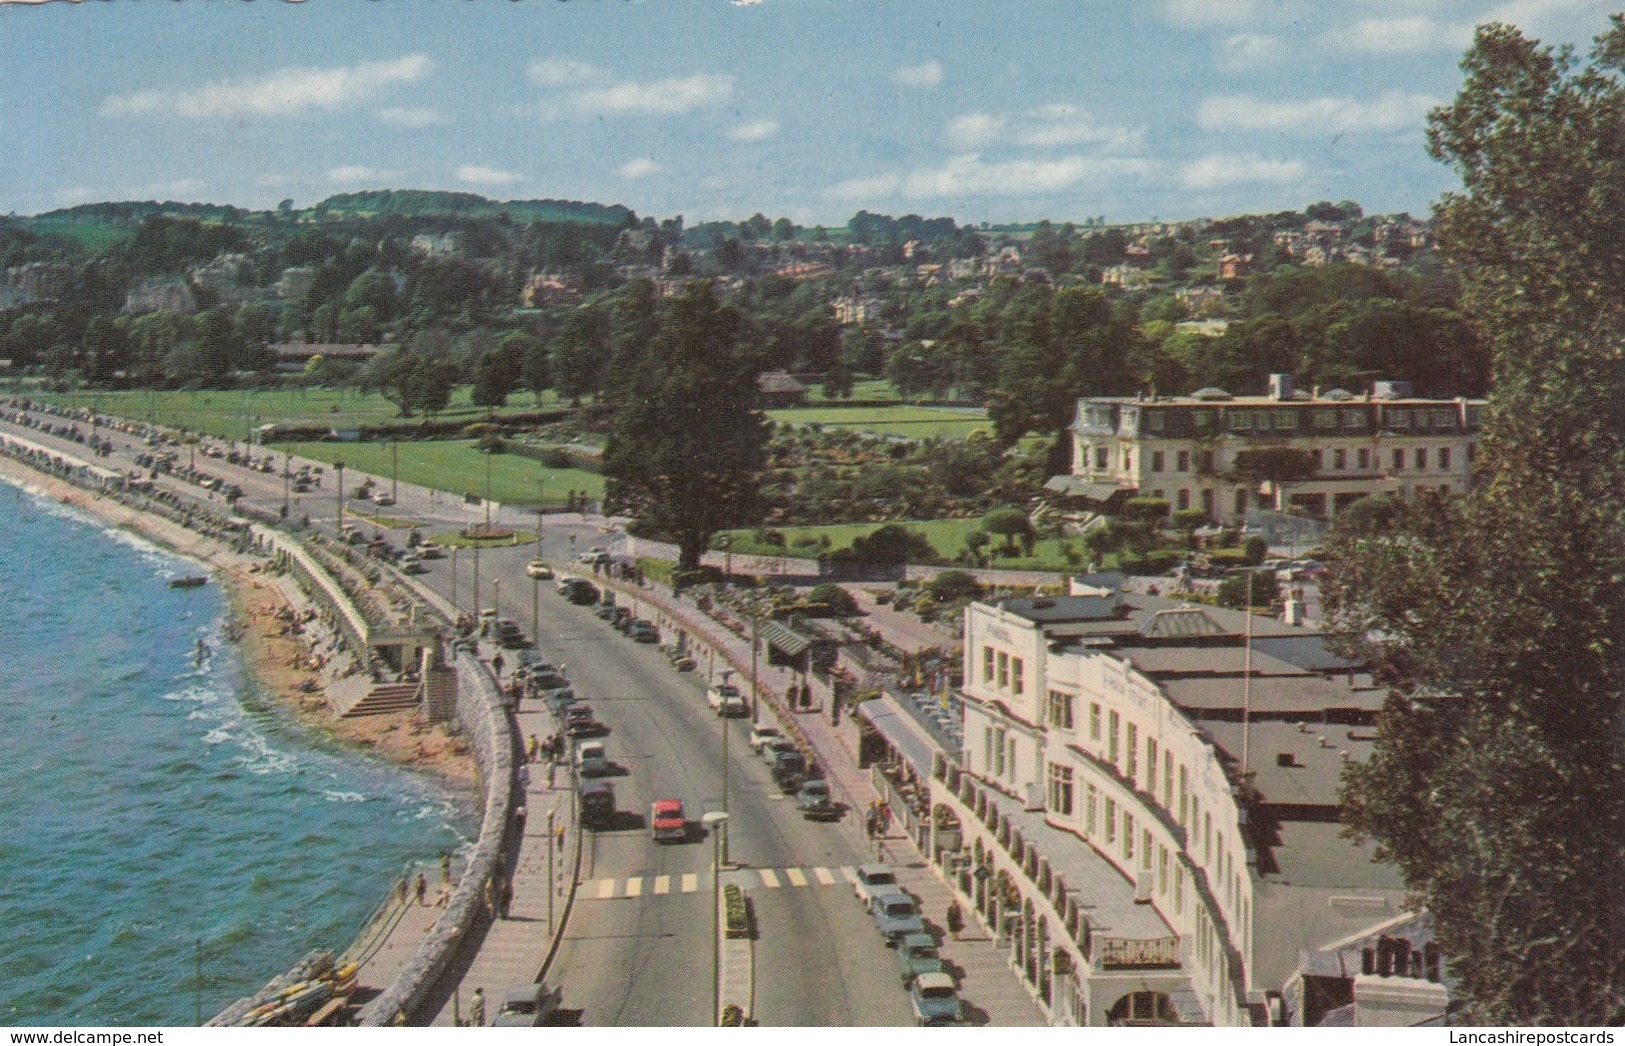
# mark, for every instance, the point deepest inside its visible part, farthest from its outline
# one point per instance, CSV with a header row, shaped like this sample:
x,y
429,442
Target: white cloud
x,y
973,129
555,71
1412,34
356,173
76,194
970,175
1192,13
287,92
754,130
1245,51
1219,169
670,96
411,116
272,181
1047,126
476,174
1393,111
642,167
174,188
927,75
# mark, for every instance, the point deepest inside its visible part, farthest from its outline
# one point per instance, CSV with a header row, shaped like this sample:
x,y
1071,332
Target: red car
x,y
667,822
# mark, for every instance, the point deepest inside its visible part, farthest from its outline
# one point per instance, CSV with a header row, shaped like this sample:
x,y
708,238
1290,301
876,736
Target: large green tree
x,y
1497,783
686,453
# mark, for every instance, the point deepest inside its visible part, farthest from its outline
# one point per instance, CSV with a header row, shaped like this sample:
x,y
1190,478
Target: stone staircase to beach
x,y
384,698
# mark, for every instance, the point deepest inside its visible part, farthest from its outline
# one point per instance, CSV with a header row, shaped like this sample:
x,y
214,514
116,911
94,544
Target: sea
x,y
169,838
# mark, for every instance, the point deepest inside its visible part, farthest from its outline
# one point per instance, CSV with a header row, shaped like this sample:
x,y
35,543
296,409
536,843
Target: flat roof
x,y
1316,751
1310,696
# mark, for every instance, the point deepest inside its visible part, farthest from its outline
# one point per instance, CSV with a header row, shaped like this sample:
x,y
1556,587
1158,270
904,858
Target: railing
x,y
1118,953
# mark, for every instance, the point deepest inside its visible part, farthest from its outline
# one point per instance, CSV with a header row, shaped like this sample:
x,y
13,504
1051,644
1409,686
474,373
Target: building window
x,y
1155,420
1145,852
1184,794
1240,420
1184,500
1196,820
1205,460
1421,457
1472,452
1340,459
1444,459
987,748
1010,763
1102,459
1399,460
1111,820
1060,789
1003,674
1364,455
1094,721
1134,752
1179,889
1111,740
1016,670
1128,836
998,753
1167,773
1090,817
987,664
1151,760
1128,462
1184,461
1156,461
1207,503
1353,419
1317,460
1162,869
1325,419
1060,709
1207,838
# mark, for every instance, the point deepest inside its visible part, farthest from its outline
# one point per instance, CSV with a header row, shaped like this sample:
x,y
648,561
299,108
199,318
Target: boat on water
x,y
193,581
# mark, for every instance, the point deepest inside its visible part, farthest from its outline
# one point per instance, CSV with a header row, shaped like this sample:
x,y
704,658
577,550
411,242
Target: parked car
x,y
592,760
916,955
872,880
382,499
430,550
725,700
597,803
770,750
621,618
579,721
667,821
935,1001
596,554
581,593
815,803
789,770
413,565
640,631
761,735
896,915
526,1006
560,699
538,568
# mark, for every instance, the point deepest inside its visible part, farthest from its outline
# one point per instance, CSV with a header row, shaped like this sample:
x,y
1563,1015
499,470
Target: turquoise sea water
x,y
147,803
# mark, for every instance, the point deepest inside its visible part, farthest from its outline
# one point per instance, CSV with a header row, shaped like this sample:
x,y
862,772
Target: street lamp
x,y
339,467
714,820
727,556
394,468
454,605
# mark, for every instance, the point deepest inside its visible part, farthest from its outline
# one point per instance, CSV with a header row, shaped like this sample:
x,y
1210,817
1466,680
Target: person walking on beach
x,y
476,1009
422,890
400,890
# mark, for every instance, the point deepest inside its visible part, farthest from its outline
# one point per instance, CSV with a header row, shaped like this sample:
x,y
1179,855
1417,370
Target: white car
x,y
538,568
725,700
761,735
592,760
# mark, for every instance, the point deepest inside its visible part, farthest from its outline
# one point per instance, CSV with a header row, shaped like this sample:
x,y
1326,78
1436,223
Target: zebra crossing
x,y
692,882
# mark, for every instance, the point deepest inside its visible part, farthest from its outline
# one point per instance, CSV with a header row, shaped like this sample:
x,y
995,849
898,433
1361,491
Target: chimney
x,y
1280,387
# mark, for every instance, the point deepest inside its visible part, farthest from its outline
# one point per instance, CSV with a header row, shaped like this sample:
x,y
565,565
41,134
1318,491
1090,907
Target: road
x,y
643,959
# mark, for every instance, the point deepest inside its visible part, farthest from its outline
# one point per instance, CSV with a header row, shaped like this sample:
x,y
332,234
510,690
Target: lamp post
x,y
476,581
488,492
287,465
454,577
714,820
496,595
727,556
338,466
394,468
755,694
550,815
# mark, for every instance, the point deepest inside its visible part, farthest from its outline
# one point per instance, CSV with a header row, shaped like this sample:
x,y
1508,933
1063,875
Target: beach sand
x,y
277,659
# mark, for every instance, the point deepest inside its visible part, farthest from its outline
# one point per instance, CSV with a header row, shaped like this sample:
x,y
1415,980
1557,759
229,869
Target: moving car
x,y
538,568
525,1006
640,631
896,915
761,735
872,880
935,1000
917,955
789,770
667,821
815,803
382,499
597,804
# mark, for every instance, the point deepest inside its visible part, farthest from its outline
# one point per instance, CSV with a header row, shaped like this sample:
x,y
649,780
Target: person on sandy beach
x,y
445,866
422,890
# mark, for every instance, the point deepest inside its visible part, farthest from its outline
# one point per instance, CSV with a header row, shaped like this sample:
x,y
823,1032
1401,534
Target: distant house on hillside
x,y
778,389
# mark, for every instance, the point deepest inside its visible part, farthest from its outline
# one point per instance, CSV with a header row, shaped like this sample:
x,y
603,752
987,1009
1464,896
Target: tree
x,y
496,375
1497,784
687,449
1233,590
1011,524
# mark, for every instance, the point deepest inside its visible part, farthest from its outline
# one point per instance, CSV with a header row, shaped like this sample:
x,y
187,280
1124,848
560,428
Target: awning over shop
x,y
901,731
788,642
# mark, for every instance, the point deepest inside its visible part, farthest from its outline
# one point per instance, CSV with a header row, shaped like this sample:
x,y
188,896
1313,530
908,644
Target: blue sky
x,y
984,110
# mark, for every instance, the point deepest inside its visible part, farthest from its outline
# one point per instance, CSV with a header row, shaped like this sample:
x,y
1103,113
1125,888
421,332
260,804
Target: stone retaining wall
x,y
483,717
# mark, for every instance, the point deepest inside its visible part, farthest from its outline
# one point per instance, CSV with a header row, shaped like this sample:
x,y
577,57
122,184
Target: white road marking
x,y
823,877
662,885
634,886
796,876
691,882
606,889
769,880
850,873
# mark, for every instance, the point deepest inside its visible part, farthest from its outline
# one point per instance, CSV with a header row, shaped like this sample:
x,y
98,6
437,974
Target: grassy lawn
x,y
909,422
229,414
457,466
457,539
947,536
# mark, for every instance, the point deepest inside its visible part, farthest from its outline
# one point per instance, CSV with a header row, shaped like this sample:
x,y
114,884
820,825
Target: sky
x,y
981,110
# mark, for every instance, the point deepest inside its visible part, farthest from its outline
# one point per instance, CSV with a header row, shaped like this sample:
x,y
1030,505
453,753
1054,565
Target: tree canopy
x,y
1497,783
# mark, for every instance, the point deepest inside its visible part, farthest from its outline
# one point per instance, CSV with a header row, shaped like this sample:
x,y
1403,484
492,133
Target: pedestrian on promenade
x,y
490,899
401,889
422,889
507,896
533,748
519,819
476,1009
497,663
955,919
524,777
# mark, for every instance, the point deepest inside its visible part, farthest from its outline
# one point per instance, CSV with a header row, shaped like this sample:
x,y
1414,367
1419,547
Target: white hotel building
x,y
1145,816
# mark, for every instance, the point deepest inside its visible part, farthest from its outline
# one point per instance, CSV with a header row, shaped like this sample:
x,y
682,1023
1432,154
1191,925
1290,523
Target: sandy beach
x,y
279,658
